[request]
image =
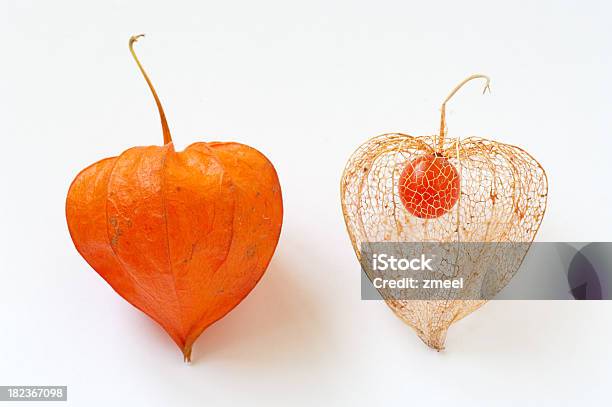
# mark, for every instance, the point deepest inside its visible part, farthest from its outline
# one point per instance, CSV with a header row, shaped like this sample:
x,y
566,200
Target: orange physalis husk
x,y
401,188
182,236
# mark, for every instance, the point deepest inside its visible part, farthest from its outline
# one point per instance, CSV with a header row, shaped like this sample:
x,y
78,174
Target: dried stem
x,y
162,116
450,95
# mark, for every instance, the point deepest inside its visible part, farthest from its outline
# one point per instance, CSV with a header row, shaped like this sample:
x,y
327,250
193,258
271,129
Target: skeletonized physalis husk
x,y
503,192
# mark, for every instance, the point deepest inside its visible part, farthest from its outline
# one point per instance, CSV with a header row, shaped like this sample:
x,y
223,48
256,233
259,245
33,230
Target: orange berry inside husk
x,y
429,186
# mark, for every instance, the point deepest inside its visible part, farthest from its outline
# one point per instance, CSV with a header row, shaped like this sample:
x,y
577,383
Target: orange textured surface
x,y
429,186
183,236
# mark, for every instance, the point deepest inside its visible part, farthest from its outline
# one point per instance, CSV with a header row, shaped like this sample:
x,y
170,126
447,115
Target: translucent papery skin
x,y
183,236
503,193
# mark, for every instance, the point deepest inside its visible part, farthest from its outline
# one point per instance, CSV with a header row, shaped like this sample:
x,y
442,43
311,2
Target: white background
x,y
305,83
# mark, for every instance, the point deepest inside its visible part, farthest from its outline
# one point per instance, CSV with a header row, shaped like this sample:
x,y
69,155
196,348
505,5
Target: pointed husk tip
x,y
187,354
434,339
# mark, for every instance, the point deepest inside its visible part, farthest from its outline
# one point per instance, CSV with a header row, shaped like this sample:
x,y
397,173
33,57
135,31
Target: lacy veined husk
x,y
502,198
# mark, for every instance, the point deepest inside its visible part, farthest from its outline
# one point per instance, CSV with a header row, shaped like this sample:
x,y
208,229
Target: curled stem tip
x,y
450,95
162,115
